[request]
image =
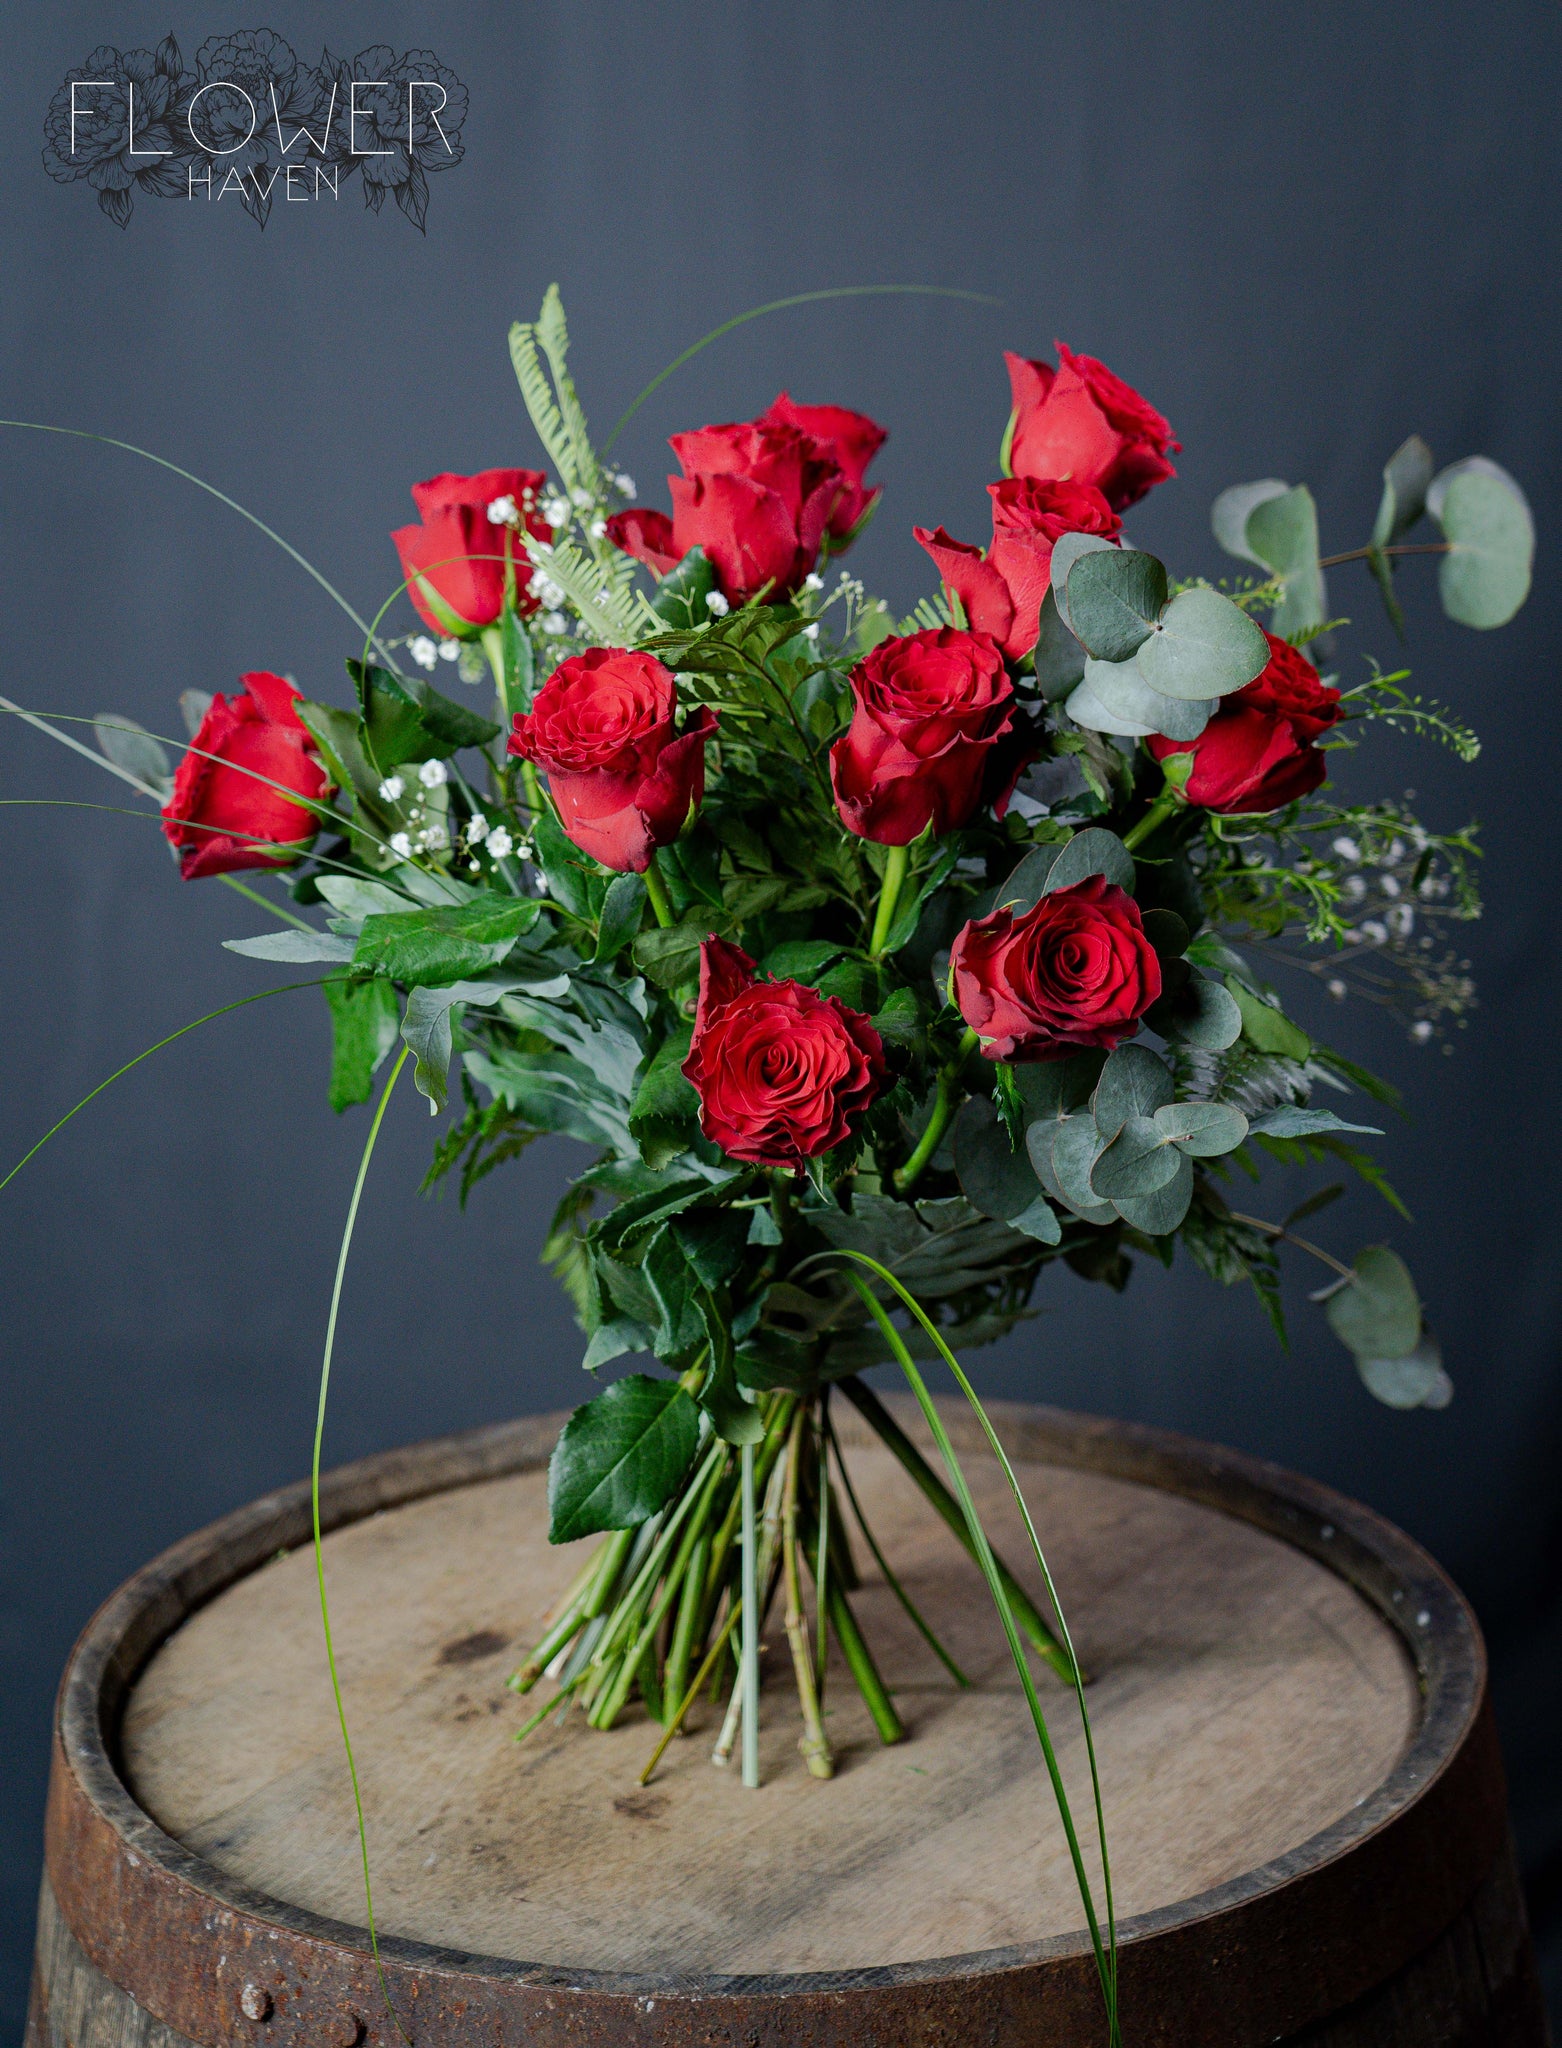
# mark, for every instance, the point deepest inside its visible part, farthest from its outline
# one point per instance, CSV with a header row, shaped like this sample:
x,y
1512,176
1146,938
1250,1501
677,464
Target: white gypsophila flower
x,y
392,788
450,650
476,828
547,591
1401,920
1396,852
556,511
1355,888
1372,930
401,845
500,843
474,867
1388,885
811,632
625,483
504,512
1347,849
423,650
597,528
434,837
1421,1031
813,581
1351,936
433,775
555,623
717,605
1338,990
580,497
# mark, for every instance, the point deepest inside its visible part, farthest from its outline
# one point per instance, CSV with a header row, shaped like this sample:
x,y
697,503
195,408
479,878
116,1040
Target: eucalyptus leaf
x,y
1282,531
1204,1130
1039,1221
1118,694
1075,1144
996,1179
1378,1313
1415,1381
1231,510
621,1457
297,949
1052,1088
1095,851
1086,709
1200,1013
1114,598
1406,477
1134,1082
1484,516
1058,656
131,747
1166,932
1288,1121
1203,646
1066,551
1138,1159
1159,1214
1024,887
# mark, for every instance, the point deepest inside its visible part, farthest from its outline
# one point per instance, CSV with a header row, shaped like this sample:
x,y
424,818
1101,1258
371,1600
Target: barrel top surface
x,y
1245,1698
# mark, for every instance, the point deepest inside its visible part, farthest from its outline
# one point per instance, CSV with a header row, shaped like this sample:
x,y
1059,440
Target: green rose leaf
x,y
670,955
1204,646
1377,1314
996,1179
1204,1130
520,667
1415,1381
614,1340
681,594
425,948
1282,532
1134,1082
664,1115
569,872
1407,476
1288,1121
1137,1161
1266,1027
1232,509
1114,596
622,909
1486,520
364,1018
621,1457
1159,1214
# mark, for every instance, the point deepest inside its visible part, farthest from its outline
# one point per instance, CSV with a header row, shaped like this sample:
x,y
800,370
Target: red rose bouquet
x,y
881,965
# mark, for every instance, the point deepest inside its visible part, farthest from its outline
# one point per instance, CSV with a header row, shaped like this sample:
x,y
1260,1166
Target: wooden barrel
x,y
1303,1791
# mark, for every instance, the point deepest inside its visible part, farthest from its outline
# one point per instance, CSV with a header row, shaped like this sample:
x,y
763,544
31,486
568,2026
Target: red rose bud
x,y
1001,591
1257,751
930,710
233,797
756,496
1075,972
780,1070
850,440
622,775
457,561
1082,424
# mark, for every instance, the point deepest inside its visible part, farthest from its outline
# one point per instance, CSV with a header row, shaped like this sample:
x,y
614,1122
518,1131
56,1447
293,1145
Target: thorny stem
x,y
813,1743
889,896
1303,1244
945,1103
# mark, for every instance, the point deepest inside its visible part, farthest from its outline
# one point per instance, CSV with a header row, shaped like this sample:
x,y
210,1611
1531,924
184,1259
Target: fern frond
x,y
613,615
553,333
538,394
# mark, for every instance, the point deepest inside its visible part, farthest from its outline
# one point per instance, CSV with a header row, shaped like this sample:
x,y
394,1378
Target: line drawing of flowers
x,y
96,141
391,115
243,109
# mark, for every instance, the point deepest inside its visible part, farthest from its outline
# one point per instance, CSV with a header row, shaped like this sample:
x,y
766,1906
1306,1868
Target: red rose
x,y
622,775
930,710
756,496
456,562
780,1070
1257,751
1082,423
1075,972
850,440
226,811
1002,591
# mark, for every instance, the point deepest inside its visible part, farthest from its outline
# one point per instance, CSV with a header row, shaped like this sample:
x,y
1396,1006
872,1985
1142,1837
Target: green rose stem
x,y
1171,798
748,1666
492,638
814,1743
889,893
946,1102
894,1438
656,890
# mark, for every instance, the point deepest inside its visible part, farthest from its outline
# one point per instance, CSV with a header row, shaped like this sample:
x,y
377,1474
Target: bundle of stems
x,y
655,1613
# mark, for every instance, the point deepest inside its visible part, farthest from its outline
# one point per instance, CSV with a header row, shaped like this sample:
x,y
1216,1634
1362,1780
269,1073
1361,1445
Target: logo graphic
x,y
251,123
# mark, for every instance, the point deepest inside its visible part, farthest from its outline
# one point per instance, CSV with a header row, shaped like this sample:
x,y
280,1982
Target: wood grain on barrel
x,y
1243,1698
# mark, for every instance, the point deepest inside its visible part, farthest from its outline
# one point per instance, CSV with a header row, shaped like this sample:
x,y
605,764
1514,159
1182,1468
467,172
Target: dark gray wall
x,y
1303,233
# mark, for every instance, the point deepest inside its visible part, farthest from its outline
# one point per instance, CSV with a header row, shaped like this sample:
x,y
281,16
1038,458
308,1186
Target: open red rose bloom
x,y
624,778
1072,974
462,559
233,804
780,1069
1259,749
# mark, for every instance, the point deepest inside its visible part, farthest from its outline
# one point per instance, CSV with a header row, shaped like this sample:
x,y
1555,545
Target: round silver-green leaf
x,y
1378,1314
1485,576
1139,1159
1114,597
1203,646
1204,1130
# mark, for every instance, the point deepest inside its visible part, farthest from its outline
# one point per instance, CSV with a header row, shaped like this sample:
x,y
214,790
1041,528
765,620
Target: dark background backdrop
x,y
1303,234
